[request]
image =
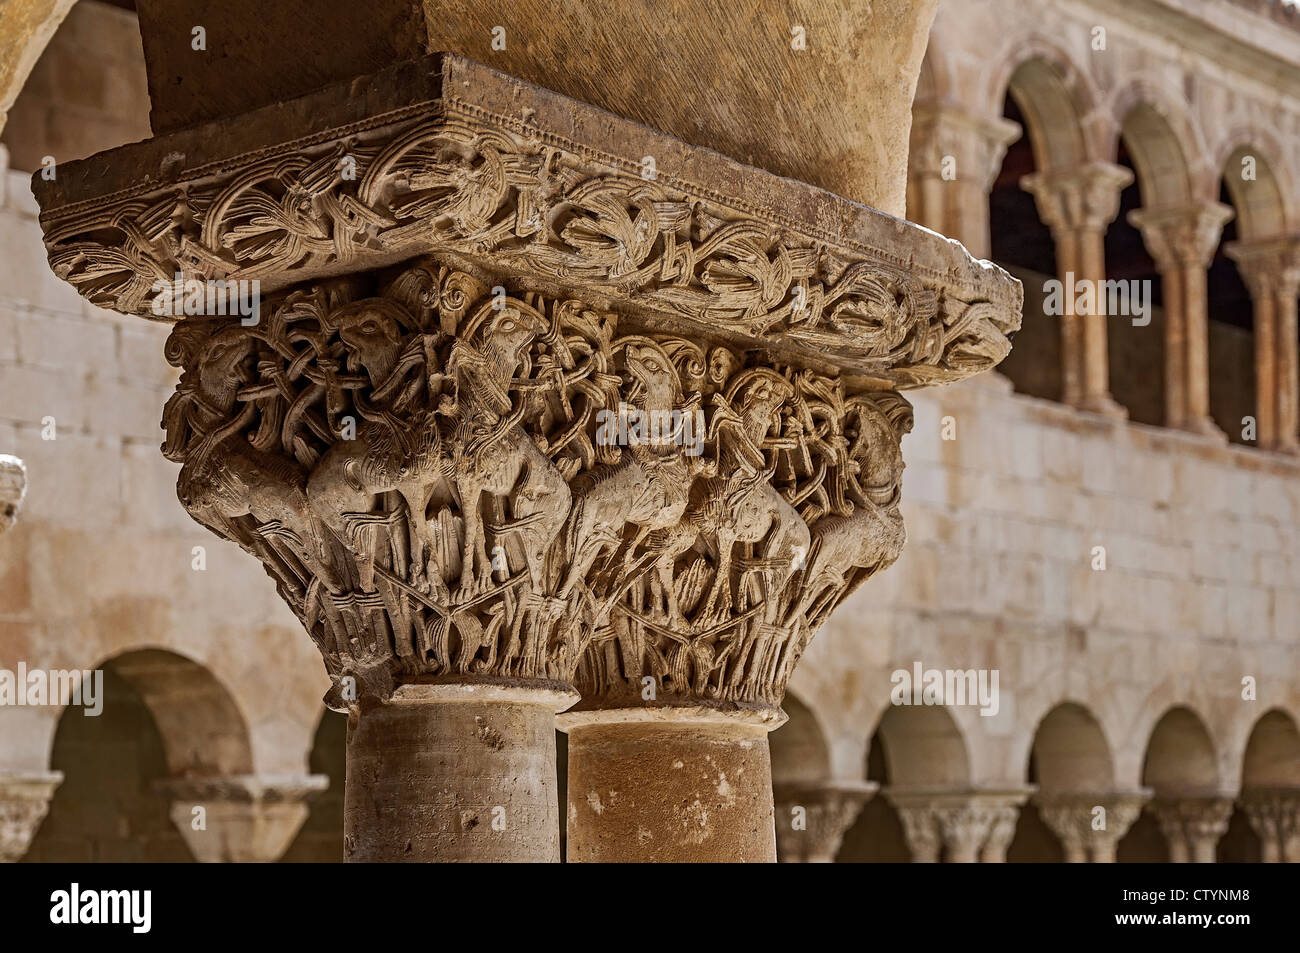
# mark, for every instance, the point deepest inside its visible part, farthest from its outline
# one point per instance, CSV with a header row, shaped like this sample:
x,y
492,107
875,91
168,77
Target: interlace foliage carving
x,y
448,482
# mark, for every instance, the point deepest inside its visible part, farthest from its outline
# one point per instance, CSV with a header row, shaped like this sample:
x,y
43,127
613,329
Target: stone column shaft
x,y
454,773
669,786
1182,241
1270,268
1288,370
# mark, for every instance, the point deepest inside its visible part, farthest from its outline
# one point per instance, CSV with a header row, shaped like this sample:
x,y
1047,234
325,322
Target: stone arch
x,y
1055,97
1180,756
1272,755
112,804
203,731
1263,205
924,747
798,748
1070,751
1262,825
1168,151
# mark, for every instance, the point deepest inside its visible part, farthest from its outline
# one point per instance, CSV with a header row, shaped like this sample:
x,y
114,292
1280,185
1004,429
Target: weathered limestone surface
x,y
676,785
456,773
835,113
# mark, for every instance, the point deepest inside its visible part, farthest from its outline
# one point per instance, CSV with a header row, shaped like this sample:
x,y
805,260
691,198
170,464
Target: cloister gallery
x,y
536,388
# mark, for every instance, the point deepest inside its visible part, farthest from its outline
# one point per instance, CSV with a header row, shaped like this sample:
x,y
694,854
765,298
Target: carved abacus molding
x,y
455,178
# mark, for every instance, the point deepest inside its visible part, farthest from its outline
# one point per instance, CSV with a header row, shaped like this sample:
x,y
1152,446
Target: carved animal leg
x,y
721,580
475,569
421,539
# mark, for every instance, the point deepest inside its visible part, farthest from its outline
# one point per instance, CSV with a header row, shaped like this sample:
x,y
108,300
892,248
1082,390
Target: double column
x,y
1274,813
975,826
1078,206
1192,825
812,817
510,421
1090,825
240,818
1182,241
1271,270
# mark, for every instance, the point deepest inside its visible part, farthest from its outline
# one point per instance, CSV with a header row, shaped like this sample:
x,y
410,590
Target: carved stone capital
x,y
240,819
518,404
13,487
24,802
958,826
812,817
1090,824
1274,813
1192,825
1085,198
1181,237
977,144
1270,267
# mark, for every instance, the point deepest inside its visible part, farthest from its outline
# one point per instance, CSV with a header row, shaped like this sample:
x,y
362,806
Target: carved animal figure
x,y
397,445
222,478
492,453
649,488
849,549
740,505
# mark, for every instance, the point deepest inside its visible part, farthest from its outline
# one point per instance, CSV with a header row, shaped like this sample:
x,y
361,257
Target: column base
x,y
1103,405
670,785
454,772
1204,427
